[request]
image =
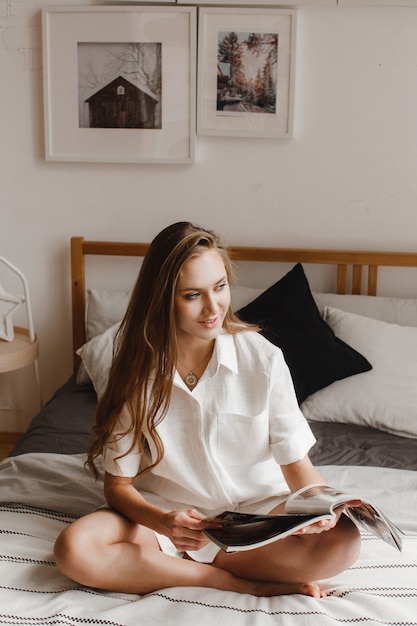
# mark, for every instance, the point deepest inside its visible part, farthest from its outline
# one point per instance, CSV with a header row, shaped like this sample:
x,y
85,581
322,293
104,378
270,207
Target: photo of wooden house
x,y
123,103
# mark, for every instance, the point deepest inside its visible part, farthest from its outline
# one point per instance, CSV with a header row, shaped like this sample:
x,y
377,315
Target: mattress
x,y
40,493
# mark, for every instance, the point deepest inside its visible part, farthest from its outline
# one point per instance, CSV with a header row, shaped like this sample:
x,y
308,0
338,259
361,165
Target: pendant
x,y
191,379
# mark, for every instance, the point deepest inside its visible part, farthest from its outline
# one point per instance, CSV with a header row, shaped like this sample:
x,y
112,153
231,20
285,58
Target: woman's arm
x,y
184,528
301,473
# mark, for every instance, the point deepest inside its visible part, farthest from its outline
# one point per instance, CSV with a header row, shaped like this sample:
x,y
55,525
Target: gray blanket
x,y
50,481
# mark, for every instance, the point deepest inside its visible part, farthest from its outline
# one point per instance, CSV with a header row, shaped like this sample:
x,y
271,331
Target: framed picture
x,y
245,72
119,83
143,1
379,3
265,3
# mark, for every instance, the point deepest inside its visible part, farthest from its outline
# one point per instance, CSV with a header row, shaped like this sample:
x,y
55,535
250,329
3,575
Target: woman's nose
x,y
210,304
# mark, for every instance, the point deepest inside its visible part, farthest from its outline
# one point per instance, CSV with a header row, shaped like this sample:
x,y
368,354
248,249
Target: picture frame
x,y
246,60
142,1
119,83
379,3
263,3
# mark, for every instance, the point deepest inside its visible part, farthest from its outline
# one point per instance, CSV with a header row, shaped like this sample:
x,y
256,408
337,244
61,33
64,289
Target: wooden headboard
x,y
359,262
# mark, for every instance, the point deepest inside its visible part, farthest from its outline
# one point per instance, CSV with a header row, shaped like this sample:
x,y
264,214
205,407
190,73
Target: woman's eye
x,y
222,286
192,296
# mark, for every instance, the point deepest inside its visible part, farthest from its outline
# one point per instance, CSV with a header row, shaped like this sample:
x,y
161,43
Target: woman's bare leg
x,y
298,558
106,551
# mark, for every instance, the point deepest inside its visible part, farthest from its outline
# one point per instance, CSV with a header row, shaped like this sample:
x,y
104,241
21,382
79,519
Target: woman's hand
x,y
327,524
185,529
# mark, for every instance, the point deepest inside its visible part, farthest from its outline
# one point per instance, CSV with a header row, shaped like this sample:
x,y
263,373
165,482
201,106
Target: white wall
x,y
347,178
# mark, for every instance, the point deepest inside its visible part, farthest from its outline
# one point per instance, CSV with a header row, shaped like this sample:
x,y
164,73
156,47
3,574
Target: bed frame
x,y
357,264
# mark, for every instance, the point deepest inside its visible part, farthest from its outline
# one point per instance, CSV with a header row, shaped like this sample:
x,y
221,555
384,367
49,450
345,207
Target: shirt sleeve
x,y
117,461
290,435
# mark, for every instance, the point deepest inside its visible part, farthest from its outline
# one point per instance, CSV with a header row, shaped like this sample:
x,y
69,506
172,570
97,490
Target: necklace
x,y
191,379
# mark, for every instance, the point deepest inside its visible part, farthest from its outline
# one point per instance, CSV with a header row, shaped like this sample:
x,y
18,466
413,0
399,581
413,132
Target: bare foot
x,y
312,589
268,589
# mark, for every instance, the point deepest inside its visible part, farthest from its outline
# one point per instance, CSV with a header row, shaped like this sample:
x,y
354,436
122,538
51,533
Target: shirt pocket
x,y
242,439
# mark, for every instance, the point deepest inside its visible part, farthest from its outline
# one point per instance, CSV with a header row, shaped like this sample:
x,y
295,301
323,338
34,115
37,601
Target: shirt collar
x,y
225,352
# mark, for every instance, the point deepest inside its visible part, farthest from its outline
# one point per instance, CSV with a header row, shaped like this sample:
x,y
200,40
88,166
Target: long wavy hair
x,y
145,349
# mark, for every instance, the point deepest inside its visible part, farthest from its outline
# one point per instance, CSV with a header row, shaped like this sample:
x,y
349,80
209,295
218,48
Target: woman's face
x,y
202,298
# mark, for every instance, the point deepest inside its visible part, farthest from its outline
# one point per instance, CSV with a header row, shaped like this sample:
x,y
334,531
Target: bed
x,y
352,356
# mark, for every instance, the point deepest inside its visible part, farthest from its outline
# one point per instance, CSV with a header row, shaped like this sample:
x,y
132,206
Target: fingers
x,y
318,527
324,525
185,529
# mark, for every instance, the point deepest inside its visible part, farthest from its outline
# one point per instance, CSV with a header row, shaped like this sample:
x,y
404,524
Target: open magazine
x,y
245,531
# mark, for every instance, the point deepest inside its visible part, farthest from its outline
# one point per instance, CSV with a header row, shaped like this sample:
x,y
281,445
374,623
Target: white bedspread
x,y
47,491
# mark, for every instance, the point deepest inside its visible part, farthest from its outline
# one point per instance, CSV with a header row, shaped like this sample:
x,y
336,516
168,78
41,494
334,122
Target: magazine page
x,y
242,531
375,522
316,498
321,498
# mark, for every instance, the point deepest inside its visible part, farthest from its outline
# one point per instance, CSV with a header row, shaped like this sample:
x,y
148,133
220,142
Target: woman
x,y
200,414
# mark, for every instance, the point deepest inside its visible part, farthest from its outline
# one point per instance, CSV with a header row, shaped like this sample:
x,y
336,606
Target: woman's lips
x,y
209,323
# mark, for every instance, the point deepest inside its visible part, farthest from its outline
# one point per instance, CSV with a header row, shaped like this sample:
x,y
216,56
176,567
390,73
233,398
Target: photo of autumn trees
x,y
247,72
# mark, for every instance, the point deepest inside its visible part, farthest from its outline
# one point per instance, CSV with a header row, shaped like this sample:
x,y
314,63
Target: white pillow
x,y
97,356
400,311
104,308
383,398
241,295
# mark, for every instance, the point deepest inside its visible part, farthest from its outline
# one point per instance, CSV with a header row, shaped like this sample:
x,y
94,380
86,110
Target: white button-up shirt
x,y
224,441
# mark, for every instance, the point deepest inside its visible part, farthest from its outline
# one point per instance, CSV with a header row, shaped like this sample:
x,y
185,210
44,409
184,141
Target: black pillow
x,y
289,318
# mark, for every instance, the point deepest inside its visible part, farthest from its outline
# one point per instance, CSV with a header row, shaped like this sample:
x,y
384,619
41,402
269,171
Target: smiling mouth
x,y
209,322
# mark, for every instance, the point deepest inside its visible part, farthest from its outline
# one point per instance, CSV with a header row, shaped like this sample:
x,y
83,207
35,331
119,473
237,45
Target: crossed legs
x,y
107,551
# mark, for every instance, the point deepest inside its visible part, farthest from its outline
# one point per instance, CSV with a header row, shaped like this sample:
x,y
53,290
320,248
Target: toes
x,y
314,590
